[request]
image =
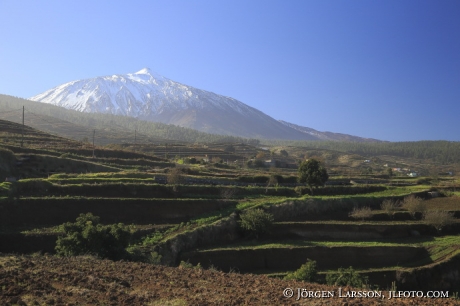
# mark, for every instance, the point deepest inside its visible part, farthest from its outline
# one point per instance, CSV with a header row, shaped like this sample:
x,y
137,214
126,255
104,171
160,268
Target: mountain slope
x,y
109,128
327,135
149,96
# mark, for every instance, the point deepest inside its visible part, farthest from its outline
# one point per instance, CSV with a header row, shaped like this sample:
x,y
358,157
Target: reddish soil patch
x,y
49,280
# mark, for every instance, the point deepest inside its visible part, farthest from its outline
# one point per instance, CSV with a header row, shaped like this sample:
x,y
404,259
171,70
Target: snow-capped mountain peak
x,y
144,71
149,96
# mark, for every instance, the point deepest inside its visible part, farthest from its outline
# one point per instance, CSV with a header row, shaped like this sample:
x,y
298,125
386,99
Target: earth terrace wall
x,y
284,259
136,188
222,231
55,211
27,243
356,232
443,276
326,209
226,230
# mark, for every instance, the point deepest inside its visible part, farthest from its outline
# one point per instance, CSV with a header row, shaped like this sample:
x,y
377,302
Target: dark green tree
x,y
284,153
312,173
229,149
390,172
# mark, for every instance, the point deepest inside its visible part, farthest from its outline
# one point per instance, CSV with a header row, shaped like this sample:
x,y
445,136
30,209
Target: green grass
x,y
4,188
213,216
436,244
98,180
358,222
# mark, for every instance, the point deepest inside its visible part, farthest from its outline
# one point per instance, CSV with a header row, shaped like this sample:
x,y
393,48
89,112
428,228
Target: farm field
x,y
183,203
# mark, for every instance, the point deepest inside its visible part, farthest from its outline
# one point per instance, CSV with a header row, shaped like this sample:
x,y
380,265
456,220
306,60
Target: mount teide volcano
x,y
148,96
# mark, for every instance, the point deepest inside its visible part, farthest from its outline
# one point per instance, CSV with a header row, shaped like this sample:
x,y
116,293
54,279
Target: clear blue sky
x,y
386,69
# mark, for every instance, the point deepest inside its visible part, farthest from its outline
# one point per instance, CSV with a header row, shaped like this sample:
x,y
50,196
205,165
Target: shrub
x,y
227,193
174,176
347,277
389,207
188,265
361,213
299,190
306,272
273,180
439,218
413,205
88,236
256,222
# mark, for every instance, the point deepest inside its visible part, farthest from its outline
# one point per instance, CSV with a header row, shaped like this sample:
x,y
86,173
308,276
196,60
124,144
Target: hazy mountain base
x,y
109,128
120,129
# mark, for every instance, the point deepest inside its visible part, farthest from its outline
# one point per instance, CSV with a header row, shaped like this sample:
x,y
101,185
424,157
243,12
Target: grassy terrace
x,y
200,212
434,243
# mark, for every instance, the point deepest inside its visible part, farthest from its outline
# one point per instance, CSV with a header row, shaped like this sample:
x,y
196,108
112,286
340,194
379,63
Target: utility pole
x,y
22,140
94,133
135,132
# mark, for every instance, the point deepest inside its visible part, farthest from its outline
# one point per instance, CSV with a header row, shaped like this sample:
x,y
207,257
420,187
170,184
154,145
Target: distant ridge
x,y
328,135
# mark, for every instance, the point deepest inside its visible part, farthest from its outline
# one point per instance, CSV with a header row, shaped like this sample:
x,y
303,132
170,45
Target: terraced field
x,y
194,218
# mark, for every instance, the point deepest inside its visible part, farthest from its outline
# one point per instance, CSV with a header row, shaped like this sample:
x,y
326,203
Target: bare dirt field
x,y
50,280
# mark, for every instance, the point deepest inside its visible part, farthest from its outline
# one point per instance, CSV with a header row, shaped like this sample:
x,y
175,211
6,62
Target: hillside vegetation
x,y
110,128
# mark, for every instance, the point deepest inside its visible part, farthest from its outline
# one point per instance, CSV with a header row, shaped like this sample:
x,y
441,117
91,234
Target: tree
x,y
361,213
312,173
229,149
439,219
389,206
346,277
390,172
174,178
414,205
256,221
307,272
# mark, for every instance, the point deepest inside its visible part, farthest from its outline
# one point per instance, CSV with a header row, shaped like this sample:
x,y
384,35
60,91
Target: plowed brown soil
x,y
49,280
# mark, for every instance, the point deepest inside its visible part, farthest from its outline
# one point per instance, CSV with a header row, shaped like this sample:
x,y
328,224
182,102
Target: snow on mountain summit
x,y
138,94
144,71
149,96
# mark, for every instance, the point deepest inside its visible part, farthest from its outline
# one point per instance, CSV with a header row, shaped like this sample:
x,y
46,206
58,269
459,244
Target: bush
x,y
347,277
88,236
307,272
361,213
389,207
228,192
256,222
188,265
174,176
439,219
413,205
